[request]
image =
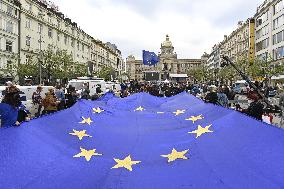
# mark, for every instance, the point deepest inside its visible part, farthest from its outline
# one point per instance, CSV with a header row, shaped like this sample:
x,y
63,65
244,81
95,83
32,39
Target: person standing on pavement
x,y
50,102
59,93
281,99
222,98
281,104
256,108
12,111
212,96
37,100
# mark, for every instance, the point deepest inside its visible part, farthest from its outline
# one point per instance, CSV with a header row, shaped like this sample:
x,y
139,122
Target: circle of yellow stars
x,y
127,162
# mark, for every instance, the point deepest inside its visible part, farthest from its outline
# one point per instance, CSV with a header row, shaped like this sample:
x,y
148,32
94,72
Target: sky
x,y
194,26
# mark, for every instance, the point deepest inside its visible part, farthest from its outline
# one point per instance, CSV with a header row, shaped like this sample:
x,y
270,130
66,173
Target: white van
x,y
92,83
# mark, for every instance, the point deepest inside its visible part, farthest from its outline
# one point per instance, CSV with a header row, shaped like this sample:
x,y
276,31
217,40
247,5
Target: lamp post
x,y
40,51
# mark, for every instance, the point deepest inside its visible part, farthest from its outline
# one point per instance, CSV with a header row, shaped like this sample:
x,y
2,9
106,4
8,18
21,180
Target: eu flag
x,y
150,58
142,142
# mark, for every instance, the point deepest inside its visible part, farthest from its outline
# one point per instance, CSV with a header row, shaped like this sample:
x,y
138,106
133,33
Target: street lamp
x,y
40,51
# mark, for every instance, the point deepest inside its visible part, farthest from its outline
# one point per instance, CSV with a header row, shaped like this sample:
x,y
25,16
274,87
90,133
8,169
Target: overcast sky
x,y
194,26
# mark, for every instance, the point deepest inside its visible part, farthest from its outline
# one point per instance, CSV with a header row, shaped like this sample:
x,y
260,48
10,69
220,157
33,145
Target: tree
x,y
106,72
18,72
199,74
60,65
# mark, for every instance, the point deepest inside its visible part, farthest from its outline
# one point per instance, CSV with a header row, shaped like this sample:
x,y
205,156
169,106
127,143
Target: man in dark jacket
x,y
255,109
212,96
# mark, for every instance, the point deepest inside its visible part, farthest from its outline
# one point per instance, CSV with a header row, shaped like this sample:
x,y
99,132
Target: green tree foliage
x,y
60,65
200,74
107,73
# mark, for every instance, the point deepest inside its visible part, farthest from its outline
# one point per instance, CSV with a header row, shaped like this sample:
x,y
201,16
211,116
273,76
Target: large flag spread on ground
x,y
142,142
150,58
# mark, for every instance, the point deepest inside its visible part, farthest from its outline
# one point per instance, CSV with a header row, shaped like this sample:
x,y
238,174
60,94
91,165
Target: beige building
x,y
106,55
236,45
169,66
9,31
43,27
28,27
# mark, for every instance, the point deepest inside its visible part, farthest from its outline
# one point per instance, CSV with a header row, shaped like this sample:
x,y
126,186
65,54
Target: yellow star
x,y
87,154
98,110
140,108
175,155
200,131
88,121
126,163
80,134
178,112
195,118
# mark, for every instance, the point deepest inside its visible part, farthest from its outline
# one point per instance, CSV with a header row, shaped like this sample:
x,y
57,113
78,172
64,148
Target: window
x,y
278,6
28,41
78,45
9,26
262,19
58,24
40,14
262,32
278,53
278,22
9,62
29,7
40,28
28,23
72,42
262,45
83,47
49,19
49,32
58,37
9,10
277,38
65,39
9,46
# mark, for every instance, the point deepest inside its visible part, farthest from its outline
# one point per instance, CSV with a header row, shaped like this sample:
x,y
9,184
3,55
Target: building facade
x,y
270,31
214,60
237,44
168,67
43,27
9,31
106,55
29,27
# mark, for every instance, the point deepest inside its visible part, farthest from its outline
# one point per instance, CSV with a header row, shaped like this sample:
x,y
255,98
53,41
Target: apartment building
x,y
43,27
9,31
270,31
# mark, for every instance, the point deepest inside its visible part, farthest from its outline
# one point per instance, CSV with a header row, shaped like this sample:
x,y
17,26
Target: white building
x,y
214,60
9,31
43,27
270,30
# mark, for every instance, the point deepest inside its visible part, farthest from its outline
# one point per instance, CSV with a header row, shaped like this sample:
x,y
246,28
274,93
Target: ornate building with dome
x,y
169,66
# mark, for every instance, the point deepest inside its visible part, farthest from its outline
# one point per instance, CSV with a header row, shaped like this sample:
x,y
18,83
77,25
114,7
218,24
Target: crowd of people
x,y
13,112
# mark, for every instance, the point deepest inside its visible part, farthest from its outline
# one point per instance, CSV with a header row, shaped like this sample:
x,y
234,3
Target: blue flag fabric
x,y
150,58
142,142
